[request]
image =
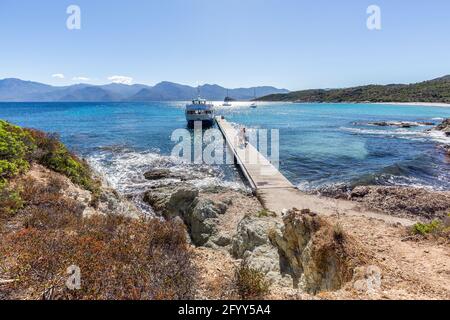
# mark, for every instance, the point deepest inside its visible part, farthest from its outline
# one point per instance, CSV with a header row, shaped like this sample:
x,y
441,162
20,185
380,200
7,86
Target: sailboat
x,y
226,102
254,105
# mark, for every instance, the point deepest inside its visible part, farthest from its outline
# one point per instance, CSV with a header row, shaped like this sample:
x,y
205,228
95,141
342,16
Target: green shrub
x,y
250,283
19,147
265,213
51,153
427,228
16,145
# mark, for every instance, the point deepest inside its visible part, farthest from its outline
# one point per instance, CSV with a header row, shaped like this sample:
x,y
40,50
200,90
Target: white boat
x,y
200,111
254,105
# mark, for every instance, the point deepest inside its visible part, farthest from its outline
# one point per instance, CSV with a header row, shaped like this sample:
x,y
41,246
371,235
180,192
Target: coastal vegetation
x,y
437,91
50,223
436,227
202,243
250,283
19,148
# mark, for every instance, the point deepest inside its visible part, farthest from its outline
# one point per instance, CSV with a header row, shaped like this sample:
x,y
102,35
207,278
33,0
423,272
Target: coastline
x,y
420,104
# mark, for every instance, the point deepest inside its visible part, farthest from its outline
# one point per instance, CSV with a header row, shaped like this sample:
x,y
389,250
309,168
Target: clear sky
x,y
296,44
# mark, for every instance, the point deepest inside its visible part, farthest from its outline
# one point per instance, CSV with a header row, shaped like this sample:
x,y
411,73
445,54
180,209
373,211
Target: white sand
x,y
424,104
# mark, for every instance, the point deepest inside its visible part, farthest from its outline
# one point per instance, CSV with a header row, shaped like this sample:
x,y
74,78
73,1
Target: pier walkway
x,y
276,193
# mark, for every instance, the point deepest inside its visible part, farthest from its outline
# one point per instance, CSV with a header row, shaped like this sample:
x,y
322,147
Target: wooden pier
x,y
277,193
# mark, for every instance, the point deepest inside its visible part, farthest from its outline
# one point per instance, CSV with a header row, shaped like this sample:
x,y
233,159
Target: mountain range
x,y
16,90
436,90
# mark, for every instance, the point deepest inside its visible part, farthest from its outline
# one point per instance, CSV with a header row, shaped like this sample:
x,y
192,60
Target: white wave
x,y
438,136
402,132
435,136
125,171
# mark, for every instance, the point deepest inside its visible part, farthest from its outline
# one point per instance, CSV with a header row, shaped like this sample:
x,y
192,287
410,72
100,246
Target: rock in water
x,y
157,174
444,127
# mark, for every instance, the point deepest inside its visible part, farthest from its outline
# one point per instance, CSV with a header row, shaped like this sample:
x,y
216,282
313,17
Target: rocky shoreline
x,y
290,251
207,235
412,202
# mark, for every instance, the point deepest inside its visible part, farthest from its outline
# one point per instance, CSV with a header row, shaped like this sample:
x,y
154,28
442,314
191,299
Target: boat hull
x,y
204,123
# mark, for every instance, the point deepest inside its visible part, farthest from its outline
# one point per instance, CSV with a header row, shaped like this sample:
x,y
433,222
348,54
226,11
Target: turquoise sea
x,y
320,144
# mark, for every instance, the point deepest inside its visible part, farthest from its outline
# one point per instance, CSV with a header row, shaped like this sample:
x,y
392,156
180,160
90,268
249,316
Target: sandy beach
x,y
425,104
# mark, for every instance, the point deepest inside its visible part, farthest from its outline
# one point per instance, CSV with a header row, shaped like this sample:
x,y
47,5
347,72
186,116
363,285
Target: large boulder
x,y
318,256
202,220
171,201
252,233
200,215
252,244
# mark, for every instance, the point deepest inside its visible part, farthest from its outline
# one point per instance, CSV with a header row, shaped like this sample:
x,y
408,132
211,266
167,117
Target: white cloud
x,y
58,76
121,80
83,79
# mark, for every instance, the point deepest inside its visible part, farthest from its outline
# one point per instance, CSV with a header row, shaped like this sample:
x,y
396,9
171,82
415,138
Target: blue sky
x,y
294,44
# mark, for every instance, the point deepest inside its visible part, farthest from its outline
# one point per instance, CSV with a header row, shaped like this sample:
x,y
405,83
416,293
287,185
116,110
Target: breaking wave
x,y
123,169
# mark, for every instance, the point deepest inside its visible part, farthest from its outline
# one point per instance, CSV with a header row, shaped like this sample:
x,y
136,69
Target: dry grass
x,y
250,283
119,258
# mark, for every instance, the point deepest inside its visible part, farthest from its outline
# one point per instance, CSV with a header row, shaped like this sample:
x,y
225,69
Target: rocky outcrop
x,y
319,257
172,200
444,127
200,215
403,200
447,149
252,244
201,220
252,232
400,124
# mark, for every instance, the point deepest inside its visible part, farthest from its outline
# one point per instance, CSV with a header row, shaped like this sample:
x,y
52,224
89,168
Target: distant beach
x,y
423,104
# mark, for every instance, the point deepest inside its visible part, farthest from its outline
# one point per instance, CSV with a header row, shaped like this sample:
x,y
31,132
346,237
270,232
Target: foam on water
x,y
436,136
124,170
320,144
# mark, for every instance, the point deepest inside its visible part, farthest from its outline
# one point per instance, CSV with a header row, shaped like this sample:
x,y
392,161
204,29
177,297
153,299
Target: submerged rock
x,y
159,174
400,124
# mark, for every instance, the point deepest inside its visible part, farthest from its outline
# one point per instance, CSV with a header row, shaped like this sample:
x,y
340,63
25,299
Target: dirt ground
x,y
410,267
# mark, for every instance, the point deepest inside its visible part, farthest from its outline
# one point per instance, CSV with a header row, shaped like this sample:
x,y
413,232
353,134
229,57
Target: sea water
x,y
319,145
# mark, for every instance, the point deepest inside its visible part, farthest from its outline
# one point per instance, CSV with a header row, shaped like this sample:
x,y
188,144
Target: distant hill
x,y
436,90
16,90
166,91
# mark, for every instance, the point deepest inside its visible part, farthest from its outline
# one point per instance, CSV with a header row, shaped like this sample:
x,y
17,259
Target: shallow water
x,y
320,144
